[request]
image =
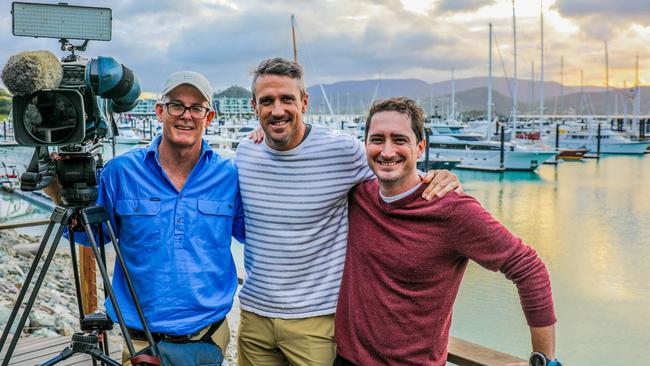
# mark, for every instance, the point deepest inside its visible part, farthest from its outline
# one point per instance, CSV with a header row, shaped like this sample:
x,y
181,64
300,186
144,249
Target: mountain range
x,y
354,97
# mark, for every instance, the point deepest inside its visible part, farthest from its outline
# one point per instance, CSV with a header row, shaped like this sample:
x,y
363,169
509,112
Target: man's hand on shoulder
x,y
257,136
440,183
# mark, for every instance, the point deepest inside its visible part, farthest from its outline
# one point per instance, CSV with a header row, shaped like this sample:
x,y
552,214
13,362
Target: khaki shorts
x,y
221,337
281,342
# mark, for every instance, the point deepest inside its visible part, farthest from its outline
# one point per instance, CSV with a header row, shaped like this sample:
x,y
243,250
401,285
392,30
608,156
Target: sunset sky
x,y
354,40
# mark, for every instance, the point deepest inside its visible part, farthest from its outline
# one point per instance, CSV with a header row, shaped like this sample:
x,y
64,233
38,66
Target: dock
x,y
38,350
34,351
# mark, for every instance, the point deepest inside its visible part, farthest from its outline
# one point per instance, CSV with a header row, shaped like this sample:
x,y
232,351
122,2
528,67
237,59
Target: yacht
x,y
126,135
475,152
574,136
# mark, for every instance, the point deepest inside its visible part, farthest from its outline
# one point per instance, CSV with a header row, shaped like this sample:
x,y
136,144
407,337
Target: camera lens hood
x,y
110,79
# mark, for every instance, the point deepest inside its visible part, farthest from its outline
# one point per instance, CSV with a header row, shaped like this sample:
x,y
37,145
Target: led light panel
x,y
61,21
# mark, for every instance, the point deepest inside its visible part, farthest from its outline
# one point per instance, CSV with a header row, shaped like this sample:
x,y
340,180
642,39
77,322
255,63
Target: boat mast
x,y
637,95
514,81
561,84
293,37
489,105
453,96
531,110
541,72
606,83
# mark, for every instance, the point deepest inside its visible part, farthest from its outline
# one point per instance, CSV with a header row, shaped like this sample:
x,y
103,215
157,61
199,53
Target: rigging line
x,y
503,65
311,63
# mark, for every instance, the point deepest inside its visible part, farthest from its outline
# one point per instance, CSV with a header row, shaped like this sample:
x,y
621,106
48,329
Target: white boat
x,y
611,142
126,135
475,152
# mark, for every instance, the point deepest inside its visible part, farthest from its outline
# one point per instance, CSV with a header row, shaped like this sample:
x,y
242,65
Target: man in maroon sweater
x,y
406,256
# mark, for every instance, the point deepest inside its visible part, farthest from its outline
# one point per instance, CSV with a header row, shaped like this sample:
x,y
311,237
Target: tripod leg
x,y
98,215
97,353
64,355
75,272
32,297
25,287
107,283
105,344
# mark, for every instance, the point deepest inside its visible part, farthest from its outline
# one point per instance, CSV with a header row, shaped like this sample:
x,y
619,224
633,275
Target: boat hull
x,y
572,154
611,148
126,140
490,160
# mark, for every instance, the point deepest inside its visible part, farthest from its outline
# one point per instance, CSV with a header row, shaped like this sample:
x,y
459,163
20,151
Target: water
x,y
589,221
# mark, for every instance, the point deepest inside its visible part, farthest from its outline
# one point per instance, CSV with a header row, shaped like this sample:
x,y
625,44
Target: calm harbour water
x,y
590,222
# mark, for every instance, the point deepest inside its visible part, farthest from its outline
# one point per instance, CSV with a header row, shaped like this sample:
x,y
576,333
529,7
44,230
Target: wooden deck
x,y
34,351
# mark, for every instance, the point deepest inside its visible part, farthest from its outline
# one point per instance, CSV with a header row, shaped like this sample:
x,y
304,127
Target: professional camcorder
x,y
69,103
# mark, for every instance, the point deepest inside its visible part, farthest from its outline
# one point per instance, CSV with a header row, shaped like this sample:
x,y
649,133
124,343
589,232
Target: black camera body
x,y
80,108
69,103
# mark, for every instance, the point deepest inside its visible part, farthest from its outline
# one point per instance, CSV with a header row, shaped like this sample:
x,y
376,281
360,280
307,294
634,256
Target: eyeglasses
x,y
177,110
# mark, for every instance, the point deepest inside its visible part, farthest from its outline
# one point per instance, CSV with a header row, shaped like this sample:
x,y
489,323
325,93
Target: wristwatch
x,y
540,359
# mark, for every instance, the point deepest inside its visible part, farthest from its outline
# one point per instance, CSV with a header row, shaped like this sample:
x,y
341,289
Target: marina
x,y
560,156
590,222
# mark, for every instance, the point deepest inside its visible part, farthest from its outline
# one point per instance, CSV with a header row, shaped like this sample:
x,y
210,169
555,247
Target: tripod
x,y
94,326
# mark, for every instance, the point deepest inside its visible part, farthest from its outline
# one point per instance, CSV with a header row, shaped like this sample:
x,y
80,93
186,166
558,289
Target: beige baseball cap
x,y
190,78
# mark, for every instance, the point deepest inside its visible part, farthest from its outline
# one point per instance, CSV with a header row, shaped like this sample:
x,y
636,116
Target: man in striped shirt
x,y
294,189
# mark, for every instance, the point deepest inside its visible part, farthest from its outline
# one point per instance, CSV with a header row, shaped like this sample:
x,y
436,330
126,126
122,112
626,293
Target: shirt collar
x,y
155,144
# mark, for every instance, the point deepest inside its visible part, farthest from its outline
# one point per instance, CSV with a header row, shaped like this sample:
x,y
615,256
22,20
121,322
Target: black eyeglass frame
x,y
205,110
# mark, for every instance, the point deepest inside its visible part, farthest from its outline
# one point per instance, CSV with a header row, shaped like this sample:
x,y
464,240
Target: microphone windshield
x,y
30,71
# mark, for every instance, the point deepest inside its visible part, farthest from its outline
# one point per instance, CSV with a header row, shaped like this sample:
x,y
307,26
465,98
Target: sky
x,y
367,39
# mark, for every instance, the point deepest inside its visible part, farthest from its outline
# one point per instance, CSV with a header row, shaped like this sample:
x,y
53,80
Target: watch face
x,y
537,359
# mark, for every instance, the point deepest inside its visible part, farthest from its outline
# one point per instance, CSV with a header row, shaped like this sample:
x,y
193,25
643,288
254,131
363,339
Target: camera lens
x,y
50,117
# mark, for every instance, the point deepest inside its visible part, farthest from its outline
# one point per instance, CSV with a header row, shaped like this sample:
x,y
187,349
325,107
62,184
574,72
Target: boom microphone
x,y
30,71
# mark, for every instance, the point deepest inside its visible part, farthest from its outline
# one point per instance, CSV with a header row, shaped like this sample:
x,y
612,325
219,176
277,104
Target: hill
x,y
234,91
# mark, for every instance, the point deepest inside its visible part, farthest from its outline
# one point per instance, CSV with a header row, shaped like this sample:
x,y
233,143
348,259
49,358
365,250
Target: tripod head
x,y
96,322
76,170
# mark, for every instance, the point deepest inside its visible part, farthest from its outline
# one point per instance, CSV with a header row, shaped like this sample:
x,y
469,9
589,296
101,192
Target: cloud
x,y
345,39
460,6
586,8
602,19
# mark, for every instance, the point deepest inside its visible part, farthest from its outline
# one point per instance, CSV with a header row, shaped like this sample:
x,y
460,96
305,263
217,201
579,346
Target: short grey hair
x,y
281,67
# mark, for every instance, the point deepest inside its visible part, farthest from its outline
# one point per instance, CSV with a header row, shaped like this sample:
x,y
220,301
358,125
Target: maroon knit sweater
x,y
403,268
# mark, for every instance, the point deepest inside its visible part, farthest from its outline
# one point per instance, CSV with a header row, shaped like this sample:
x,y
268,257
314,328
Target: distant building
x,y
227,106
146,107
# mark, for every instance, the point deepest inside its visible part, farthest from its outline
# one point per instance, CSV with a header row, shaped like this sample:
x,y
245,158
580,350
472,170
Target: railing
x,y
461,353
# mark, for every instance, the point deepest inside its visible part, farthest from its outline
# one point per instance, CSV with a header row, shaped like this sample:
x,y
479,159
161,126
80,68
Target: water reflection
x,y
590,222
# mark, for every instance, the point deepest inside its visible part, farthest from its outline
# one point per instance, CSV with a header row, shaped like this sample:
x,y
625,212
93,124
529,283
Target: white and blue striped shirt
x,y
296,209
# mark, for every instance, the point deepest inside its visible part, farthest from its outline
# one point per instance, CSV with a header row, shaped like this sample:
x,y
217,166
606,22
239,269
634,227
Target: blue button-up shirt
x,y
176,245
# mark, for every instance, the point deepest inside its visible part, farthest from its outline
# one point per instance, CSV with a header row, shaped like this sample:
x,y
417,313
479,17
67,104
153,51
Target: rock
x,y
4,315
41,319
15,324
26,250
14,269
66,325
45,332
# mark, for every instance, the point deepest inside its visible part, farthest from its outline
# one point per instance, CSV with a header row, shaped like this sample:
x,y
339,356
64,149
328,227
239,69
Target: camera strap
x,y
40,172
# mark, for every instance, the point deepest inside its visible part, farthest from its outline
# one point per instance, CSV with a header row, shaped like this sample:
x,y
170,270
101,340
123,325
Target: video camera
x,y
69,103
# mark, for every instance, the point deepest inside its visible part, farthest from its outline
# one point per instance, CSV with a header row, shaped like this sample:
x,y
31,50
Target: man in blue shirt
x,y
174,207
